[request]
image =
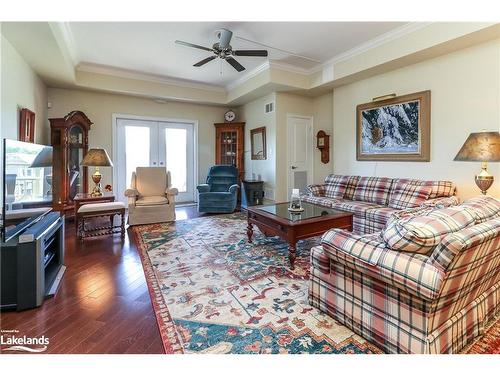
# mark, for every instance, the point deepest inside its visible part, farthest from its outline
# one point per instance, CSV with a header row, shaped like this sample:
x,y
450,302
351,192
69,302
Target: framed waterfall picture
x,y
395,129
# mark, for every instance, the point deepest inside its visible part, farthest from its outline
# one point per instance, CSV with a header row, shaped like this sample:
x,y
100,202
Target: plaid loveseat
x,y
410,302
373,200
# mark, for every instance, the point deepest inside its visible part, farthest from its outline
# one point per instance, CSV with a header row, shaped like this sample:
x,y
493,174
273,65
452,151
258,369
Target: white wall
x,y
254,116
99,107
20,88
465,98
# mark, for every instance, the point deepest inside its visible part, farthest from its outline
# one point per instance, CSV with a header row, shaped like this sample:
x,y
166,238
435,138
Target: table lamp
x,y
483,147
96,157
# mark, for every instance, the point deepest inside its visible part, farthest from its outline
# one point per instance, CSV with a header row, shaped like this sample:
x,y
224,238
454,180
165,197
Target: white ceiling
x,y
150,48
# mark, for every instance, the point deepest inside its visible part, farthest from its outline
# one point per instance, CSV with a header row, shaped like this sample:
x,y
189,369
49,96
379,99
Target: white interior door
x,y
144,143
299,131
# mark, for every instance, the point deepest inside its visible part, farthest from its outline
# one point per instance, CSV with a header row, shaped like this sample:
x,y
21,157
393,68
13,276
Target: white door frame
x,y
310,140
114,123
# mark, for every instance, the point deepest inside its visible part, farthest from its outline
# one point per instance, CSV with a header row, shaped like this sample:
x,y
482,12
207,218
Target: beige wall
x,y
21,88
253,114
100,107
465,89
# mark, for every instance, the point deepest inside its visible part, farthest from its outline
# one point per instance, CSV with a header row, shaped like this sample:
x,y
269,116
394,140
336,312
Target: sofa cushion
x,y
373,189
485,207
322,201
154,200
420,234
219,196
357,208
439,188
335,186
352,183
408,195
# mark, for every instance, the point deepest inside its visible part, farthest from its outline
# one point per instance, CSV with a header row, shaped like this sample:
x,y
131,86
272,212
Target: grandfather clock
x,y
69,139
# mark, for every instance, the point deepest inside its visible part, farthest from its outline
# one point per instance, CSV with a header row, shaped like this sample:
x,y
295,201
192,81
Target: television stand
x,y
32,264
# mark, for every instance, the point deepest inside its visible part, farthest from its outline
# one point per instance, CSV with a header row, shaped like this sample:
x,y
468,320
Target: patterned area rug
x,y
212,292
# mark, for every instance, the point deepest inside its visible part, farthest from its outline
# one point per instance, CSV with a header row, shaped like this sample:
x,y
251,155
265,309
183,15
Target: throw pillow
x,y
420,234
335,186
408,195
373,190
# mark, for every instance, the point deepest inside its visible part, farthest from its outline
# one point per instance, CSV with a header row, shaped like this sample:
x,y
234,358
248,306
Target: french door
x,y
144,143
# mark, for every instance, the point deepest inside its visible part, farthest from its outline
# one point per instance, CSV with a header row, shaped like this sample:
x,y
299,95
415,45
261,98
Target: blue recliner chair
x,y
219,194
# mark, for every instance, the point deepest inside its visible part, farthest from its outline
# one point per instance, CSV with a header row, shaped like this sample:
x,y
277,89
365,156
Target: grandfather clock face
x,y
321,142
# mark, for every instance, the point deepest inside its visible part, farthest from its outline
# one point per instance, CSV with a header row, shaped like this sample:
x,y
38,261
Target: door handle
x,y
294,167
161,163
154,163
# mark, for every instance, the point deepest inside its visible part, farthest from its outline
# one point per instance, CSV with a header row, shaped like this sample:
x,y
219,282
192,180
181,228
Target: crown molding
x,y
132,74
373,43
68,39
247,76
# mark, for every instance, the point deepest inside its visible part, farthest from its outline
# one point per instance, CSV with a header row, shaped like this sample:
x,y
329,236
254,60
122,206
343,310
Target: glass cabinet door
x,y
76,171
228,147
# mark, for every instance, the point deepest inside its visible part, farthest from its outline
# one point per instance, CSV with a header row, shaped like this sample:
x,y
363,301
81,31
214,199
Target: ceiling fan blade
x,y
251,52
204,61
225,36
235,64
193,45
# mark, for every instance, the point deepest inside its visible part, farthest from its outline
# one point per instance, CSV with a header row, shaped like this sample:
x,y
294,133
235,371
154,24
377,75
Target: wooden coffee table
x,y
276,220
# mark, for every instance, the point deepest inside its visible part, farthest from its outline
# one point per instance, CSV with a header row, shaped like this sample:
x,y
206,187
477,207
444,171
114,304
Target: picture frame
x,y
27,125
395,129
258,143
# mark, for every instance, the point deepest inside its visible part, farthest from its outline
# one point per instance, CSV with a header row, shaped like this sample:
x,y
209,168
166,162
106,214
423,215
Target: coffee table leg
x,y
292,255
250,232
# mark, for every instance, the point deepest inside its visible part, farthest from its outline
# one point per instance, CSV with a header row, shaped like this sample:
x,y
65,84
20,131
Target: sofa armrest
x,y
131,193
233,189
368,254
203,188
442,202
171,191
315,190
367,248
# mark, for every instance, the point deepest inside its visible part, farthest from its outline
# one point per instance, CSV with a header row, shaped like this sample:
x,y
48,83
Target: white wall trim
x,y
248,76
310,169
142,76
114,123
373,43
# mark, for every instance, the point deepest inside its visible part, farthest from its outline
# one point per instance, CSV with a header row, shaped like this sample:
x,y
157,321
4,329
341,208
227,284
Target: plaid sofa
x,y
373,200
408,302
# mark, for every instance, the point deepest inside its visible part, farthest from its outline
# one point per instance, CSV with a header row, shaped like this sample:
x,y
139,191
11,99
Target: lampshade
x,y
43,158
484,146
96,157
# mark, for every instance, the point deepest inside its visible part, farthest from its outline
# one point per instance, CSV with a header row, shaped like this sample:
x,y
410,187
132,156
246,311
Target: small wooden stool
x,y
92,210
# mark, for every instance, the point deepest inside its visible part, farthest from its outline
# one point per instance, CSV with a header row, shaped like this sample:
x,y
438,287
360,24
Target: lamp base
x,y
96,177
484,180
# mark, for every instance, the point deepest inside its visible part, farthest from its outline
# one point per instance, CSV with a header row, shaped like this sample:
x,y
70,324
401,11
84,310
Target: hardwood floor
x,y
103,304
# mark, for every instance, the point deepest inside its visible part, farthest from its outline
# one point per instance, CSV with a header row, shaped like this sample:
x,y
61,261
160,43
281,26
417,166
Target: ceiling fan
x,y
223,50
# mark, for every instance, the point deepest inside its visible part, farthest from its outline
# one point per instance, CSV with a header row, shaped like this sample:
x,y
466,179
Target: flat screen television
x,y
27,182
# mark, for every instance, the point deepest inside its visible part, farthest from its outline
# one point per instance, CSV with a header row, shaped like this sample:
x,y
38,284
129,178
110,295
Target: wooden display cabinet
x,y
230,145
69,139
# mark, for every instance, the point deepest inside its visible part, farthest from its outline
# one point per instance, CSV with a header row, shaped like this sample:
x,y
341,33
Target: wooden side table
x,y
84,198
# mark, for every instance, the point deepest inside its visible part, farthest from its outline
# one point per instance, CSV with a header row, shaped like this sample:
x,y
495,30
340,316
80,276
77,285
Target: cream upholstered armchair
x,y
150,197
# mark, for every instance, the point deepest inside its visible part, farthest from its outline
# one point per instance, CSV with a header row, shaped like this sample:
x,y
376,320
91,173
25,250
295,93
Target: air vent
x,y
269,107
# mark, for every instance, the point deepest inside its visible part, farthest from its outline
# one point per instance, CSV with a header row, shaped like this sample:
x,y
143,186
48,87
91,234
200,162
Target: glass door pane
x,y
137,148
176,152
176,157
